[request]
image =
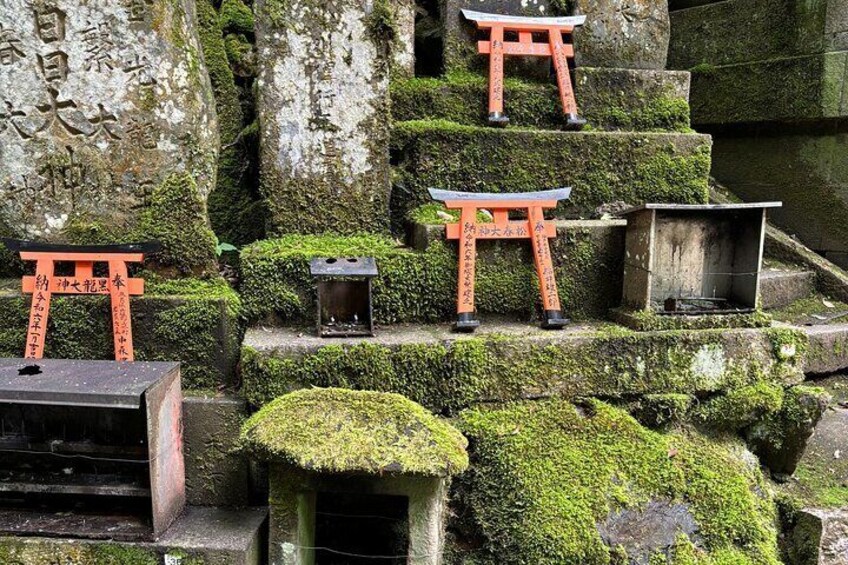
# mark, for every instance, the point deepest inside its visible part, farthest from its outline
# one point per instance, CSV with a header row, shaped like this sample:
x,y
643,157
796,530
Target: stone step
x,y
191,321
605,97
511,360
780,287
420,286
601,167
201,536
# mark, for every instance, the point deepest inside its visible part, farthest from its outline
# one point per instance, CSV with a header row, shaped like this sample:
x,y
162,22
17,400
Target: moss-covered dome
x,y
337,430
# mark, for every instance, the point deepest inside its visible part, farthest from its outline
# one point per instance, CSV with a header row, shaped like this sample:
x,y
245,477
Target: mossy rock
x,y
192,321
421,286
236,17
601,167
444,372
345,431
549,477
610,99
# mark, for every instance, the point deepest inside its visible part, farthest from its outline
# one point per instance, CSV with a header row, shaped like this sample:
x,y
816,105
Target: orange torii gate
x,y
45,284
497,48
535,228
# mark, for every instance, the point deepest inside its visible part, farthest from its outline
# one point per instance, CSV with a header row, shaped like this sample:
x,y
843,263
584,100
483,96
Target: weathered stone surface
x,y
100,102
779,288
827,347
216,473
819,537
649,530
323,107
807,172
610,99
201,536
811,87
599,166
735,31
403,45
625,34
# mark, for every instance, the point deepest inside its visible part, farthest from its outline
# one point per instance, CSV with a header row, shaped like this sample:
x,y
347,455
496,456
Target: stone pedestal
x,y
323,113
99,101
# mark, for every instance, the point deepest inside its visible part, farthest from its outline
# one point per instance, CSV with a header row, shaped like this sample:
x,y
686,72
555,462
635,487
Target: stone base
x,y
201,536
216,473
601,167
191,321
508,361
609,99
643,320
779,288
819,537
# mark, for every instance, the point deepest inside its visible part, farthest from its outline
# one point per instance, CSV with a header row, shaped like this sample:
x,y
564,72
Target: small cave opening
x,y
429,44
361,529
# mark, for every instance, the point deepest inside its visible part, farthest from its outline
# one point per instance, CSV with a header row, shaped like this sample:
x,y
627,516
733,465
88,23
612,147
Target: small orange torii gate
x,y
497,48
535,228
45,284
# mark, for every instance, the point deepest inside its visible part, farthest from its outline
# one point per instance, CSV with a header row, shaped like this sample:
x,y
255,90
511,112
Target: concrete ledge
x,y
781,288
506,361
827,349
201,536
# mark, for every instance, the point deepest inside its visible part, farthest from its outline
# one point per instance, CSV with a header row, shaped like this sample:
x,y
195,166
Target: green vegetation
x,y
740,407
236,17
345,431
600,166
546,472
35,552
192,321
649,321
452,375
415,286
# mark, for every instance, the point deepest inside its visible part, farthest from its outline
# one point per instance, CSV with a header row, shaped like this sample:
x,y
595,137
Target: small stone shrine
x,y
99,101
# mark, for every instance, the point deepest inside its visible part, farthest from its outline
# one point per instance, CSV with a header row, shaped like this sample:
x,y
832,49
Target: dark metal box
x,y
90,449
345,305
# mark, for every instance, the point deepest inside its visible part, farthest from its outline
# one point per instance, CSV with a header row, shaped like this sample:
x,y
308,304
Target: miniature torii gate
x,y
45,284
535,228
496,48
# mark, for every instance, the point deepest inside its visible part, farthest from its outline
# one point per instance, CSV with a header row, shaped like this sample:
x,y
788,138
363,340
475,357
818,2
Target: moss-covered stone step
x,y
192,321
200,536
506,361
828,349
734,31
600,166
610,99
811,87
593,486
420,286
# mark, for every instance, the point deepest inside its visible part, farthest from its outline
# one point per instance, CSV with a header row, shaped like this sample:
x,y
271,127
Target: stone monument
x,y
99,101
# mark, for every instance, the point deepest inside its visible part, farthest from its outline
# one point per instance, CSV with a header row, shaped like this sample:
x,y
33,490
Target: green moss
x,y
545,473
741,407
811,309
421,286
381,21
657,410
236,17
649,321
176,217
345,431
428,214
705,69
16,551
192,321
451,375
599,166
661,114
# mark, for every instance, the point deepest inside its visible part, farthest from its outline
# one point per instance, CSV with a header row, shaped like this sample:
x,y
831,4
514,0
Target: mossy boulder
x,y
345,431
553,482
192,321
601,167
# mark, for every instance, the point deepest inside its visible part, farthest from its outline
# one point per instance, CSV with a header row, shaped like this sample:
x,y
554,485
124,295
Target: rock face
x,y
627,34
820,537
99,101
323,107
650,530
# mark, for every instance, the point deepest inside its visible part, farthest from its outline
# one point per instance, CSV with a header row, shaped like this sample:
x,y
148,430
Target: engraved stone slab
x,y
324,115
99,101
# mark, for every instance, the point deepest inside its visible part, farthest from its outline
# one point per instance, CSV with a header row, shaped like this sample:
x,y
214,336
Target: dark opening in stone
x,y
354,529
